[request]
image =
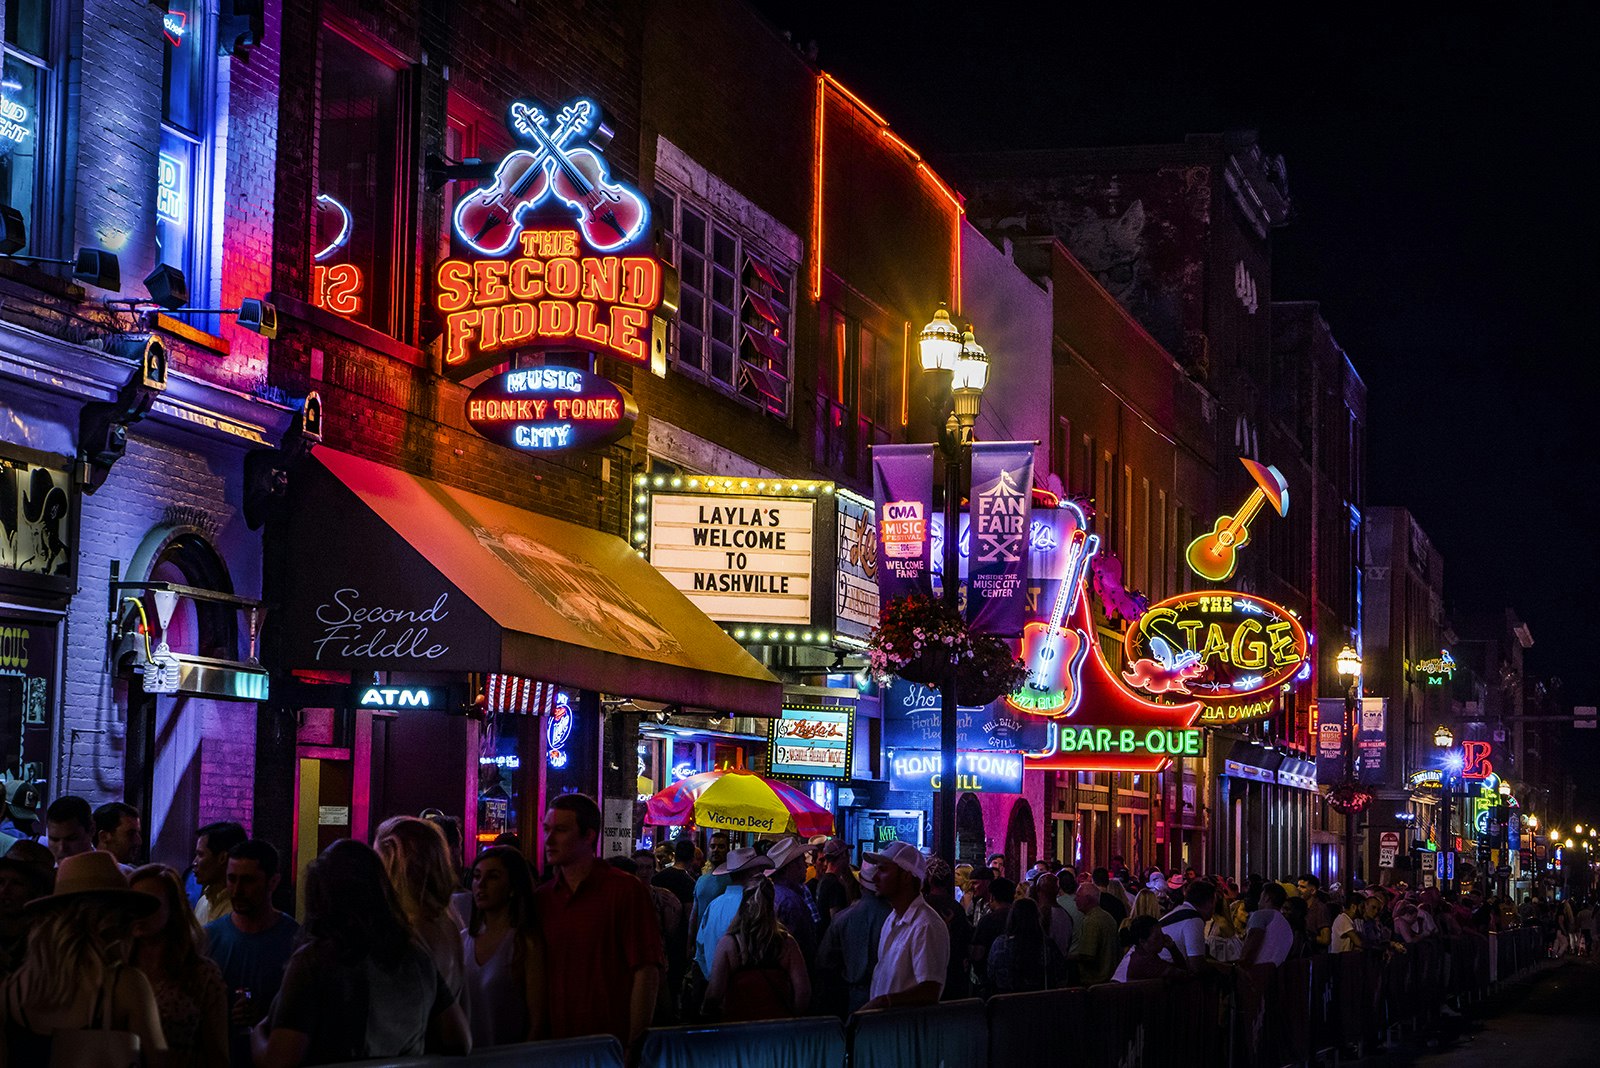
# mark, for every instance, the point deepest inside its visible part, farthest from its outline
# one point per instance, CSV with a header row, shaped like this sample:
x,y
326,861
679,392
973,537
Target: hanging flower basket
x,y
921,639
1348,797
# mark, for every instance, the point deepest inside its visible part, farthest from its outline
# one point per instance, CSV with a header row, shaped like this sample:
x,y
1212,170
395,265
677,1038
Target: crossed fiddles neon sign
x,y
557,163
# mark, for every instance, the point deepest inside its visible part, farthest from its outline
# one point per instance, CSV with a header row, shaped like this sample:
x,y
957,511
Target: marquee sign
x,y
1232,651
756,554
548,245
551,409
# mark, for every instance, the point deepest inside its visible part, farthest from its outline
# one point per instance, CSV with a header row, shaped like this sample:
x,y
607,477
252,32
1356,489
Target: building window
x,y
27,107
855,394
358,196
736,316
183,168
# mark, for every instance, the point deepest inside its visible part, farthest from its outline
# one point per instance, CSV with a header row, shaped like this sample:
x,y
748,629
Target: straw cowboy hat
x,y
95,876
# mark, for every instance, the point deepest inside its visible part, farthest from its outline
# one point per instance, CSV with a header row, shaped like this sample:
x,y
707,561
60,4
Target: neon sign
x,y
550,409
173,26
1214,555
550,295
13,120
1107,728
918,769
549,177
559,731
335,286
396,697
1437,670
1475,763
1230,650
169,188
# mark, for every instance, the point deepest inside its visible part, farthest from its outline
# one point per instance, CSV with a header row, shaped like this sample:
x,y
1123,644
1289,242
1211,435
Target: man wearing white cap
x,y
914,948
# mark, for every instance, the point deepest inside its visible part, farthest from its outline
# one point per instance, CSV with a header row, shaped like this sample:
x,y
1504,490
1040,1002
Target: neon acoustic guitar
x,y
1054,654
1213,556
490,218
610,215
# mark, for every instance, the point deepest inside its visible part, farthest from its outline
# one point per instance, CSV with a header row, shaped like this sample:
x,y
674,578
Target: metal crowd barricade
x,y
1123,1023
950,1033
808,1042
1254,1031
1015,1022
1293,1014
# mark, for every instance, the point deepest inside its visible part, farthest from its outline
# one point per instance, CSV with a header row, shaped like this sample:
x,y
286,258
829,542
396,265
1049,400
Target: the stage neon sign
x,y
1230,650
549,295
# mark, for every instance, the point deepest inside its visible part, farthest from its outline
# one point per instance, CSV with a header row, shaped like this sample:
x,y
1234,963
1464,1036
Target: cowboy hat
x,y
95,876
745,858
786,852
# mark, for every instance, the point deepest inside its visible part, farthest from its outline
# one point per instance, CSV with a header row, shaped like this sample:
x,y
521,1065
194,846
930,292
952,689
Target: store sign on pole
x,y
1230,651
555,251
551,409
1372,739
1330,739
812,741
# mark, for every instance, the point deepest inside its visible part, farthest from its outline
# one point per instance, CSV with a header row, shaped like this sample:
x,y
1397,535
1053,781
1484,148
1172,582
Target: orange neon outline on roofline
x,y
824,79
905,376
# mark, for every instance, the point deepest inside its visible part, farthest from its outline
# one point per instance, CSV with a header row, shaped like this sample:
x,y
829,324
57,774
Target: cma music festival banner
x,y
902,490
997,549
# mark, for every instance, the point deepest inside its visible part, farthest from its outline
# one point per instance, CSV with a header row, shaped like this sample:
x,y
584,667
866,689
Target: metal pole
x,y
1350,776
1447,837
946,818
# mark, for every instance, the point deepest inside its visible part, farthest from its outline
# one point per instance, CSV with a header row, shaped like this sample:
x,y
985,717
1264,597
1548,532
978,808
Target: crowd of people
x,y
401,951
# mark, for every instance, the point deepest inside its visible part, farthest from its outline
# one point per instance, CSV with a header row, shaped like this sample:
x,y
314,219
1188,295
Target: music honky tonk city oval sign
x,y
1229,650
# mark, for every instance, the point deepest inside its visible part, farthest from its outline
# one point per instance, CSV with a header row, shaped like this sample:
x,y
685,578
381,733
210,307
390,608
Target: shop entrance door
x,y
333,791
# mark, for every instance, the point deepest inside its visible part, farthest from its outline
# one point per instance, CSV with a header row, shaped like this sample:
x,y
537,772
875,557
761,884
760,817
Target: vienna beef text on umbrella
x,y
735,800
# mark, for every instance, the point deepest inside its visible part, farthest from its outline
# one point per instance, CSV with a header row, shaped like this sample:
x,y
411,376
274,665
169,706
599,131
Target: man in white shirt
x,y
1343,937
1268,936
914,947
1186,924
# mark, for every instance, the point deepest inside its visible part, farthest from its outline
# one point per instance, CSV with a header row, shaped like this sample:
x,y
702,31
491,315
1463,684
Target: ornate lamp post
x,y
955,370
1349,663
1444,740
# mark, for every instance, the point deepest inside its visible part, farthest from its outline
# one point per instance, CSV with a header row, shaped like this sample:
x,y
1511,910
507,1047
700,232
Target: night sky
x,y
1441,172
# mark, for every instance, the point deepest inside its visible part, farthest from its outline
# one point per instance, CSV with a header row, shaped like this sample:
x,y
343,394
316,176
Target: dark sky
x,y
1442,171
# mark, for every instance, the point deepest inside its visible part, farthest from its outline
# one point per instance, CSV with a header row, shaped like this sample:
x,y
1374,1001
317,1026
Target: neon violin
x,y
1054,654
1213,556
490,219
609,214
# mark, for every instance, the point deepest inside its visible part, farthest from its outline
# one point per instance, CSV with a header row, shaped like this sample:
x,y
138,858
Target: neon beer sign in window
x,y
335,286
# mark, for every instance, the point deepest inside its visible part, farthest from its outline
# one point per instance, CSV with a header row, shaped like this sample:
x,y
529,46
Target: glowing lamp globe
x,y
939,343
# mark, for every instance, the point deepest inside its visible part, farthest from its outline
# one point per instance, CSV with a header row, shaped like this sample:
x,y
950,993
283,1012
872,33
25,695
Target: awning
x,y
393,572
1247,760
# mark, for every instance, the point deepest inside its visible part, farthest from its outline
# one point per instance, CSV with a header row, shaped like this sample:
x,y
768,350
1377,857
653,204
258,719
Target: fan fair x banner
x,y
997,553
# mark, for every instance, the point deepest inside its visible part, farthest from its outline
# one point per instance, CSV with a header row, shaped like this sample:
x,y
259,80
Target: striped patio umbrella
x,y
733,799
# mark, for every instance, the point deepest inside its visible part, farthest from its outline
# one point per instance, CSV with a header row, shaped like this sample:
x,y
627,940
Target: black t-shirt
x,y
680,882
1113,904
360,1009
990,928
832,895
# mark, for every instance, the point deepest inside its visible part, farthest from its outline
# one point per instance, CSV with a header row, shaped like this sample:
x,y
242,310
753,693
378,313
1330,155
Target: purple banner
x,y
902,490
997,552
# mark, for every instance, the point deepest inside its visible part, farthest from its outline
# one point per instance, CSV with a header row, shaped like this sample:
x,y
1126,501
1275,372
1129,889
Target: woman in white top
x,y
503,952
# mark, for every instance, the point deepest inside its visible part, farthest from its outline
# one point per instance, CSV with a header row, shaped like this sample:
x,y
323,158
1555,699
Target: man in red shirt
x,y
601,938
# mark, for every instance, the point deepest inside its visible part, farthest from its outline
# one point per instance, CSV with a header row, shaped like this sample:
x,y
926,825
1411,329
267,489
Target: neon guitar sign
x,y
609,215
1213,556
1055,654
554,257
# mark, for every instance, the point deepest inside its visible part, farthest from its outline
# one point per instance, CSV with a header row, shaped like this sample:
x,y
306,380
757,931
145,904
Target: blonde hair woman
x,y
758,972
417,860
1145,903
76,975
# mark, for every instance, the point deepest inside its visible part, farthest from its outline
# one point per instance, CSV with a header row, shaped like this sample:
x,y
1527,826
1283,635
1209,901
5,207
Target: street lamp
x,y
955,370
1349,663
1505,788
1444,739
